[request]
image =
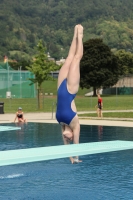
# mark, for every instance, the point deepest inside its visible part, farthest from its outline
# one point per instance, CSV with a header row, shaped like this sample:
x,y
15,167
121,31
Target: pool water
x,y
106,176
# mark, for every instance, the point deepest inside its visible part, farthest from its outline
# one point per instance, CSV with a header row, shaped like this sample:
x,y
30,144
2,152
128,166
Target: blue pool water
x,y
107,176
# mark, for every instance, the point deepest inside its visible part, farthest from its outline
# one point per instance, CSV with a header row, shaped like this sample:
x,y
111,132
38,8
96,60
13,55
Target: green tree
x,y
41,67
17,64
110,20
99,66
126,60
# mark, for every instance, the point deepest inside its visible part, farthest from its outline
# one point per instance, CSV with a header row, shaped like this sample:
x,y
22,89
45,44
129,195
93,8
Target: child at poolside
x,y
20,115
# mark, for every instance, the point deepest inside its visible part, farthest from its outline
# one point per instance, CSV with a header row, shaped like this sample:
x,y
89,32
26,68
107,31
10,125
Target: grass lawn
x,y
110,115
48,103
124,102
121,102
51,87
29,105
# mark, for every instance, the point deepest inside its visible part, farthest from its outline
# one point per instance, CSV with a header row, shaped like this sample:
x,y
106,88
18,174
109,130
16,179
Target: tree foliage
x,y
126,60
99,66
23,23
41,66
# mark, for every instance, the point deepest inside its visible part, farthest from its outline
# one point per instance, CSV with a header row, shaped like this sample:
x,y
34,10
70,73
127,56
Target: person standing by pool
x,y
99,106
20,115
68,85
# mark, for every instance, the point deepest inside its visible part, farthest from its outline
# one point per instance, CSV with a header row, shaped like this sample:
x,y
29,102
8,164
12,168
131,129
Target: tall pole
x,y
20,83
8,74
116,95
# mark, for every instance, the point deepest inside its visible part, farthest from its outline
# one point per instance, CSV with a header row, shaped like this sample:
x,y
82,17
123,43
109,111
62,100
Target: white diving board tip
x,y
9,128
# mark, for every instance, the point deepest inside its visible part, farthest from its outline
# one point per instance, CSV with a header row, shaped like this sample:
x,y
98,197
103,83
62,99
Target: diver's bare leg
x,y
73,82
74,71
73,85
65,68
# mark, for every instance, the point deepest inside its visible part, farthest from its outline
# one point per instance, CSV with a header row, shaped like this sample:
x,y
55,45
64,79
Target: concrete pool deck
x,y
50,118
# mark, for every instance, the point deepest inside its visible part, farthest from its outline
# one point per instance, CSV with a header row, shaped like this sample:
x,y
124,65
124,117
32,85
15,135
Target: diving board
x,y
8,128
12,157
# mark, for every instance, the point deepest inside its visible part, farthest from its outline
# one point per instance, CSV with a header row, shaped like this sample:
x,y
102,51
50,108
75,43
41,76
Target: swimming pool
x,y
100,176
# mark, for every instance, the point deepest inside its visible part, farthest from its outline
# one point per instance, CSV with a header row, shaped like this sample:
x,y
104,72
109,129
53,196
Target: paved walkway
x,y
49,118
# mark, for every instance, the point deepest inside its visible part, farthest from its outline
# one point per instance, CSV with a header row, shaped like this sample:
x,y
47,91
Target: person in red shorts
x,y
99,106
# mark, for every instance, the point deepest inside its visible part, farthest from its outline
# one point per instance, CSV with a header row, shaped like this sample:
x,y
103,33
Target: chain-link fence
x,y
123,87
16,91
30,105
15,83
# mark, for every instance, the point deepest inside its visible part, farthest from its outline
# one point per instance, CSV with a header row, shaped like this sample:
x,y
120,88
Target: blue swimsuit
x,y
64,112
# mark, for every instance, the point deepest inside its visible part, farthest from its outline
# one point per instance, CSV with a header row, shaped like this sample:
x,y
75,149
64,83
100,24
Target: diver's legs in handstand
x,y
73,85
72,131
73,77
66,131
65,68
